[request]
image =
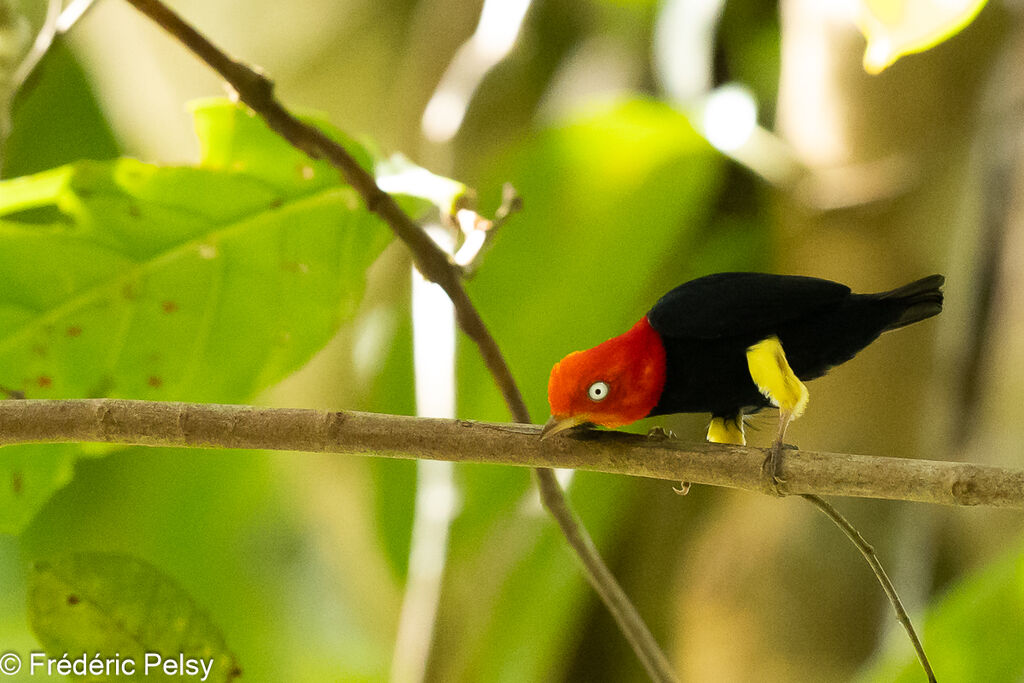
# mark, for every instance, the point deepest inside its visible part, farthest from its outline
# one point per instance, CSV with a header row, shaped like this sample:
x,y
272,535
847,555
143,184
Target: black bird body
x,y
707,325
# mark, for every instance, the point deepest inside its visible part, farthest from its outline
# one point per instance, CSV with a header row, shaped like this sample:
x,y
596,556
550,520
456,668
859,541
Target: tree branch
x,y
194,425
257,91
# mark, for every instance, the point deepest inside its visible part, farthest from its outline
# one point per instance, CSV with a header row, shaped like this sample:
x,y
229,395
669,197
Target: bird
x,y
730,344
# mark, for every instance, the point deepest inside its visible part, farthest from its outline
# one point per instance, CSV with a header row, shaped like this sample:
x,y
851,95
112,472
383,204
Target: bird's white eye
x,y
598,391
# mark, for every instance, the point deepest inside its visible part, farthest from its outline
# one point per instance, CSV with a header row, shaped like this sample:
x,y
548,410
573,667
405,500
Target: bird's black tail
x,y
920,300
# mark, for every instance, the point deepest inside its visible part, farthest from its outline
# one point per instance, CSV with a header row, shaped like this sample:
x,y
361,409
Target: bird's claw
x,y
660,434
770,469
684,488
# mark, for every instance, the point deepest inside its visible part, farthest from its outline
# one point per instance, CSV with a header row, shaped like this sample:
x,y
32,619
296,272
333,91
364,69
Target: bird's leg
x,y
770,466
776,380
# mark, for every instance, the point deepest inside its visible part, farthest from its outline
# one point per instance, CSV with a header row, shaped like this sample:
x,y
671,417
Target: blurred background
x,y
651,142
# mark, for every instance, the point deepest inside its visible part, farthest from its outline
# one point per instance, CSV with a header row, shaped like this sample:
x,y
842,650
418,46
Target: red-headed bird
x,y
729,344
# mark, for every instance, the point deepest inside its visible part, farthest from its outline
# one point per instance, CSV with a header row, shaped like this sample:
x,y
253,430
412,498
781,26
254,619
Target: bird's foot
x,y
770,468
660,434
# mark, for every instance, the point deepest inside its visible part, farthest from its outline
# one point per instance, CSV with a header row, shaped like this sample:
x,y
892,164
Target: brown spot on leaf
x,y
128,291
155,382
169,306
39,349
134,211
276,203
17,482
295,267
44,381
74,331
73,599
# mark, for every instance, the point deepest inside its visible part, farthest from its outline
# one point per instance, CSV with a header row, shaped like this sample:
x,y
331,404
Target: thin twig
x,y
57,23
21,73
203,425
75,10
39,47
872,559
602,580
257,91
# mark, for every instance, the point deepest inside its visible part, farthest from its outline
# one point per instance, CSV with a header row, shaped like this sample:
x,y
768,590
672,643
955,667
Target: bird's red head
x,y
612,384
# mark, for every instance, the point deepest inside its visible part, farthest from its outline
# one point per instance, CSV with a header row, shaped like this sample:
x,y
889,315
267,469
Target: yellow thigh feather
x,y
771,373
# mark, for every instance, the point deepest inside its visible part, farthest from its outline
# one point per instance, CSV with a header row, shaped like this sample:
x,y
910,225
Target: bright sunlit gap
x,y
500,21
495,36
398,175
684,47
437,499
729,117
433,331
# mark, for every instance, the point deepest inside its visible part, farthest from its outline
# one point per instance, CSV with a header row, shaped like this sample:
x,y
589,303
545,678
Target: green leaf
x,y
233,138
972,634
134,280
236,528
400,176
895,28
118,606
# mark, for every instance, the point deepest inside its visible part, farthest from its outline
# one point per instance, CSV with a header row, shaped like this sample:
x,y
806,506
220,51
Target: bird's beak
x,y
559,424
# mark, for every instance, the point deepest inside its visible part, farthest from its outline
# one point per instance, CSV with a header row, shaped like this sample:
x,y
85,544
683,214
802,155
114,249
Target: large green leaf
x,y
975,633
203,283
104,606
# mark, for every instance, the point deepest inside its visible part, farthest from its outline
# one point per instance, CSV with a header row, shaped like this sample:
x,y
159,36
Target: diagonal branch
x,y
204,425
876,566
257,91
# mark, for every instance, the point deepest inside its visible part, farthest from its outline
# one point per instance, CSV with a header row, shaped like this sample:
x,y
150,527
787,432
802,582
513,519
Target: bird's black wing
x,y
741,304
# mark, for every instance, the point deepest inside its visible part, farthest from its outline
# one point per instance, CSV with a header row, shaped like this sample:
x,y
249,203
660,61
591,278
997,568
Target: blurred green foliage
x,y
300,560
974,633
